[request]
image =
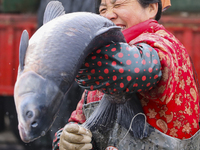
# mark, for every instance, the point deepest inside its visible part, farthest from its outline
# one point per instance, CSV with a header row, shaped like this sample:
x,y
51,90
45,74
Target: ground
x,y
8,141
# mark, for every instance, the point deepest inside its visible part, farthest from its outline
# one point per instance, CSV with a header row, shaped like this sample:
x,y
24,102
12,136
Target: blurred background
x,y
182,19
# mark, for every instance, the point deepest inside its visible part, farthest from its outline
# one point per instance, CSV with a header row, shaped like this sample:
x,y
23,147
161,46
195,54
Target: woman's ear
x,y
153,9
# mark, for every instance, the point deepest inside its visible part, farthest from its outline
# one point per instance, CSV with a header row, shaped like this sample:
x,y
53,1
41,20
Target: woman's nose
x,y
110,14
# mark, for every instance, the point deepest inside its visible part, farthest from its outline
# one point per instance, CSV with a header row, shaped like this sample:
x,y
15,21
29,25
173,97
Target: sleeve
x,y
55,144
170,52
119,67
77,115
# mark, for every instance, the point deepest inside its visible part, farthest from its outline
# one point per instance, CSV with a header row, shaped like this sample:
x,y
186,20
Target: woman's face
x,y
124,13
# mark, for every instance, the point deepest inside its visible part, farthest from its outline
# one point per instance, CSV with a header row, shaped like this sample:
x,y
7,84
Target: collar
x,y
147,26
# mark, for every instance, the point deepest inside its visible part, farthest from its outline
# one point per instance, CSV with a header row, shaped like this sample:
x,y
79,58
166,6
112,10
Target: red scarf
x,y
135,31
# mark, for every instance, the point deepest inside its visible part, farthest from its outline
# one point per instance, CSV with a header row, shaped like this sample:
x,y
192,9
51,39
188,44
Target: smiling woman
x,y
120,73
126,13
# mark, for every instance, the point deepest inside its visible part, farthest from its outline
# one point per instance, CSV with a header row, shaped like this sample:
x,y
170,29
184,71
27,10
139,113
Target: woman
x,y
171,107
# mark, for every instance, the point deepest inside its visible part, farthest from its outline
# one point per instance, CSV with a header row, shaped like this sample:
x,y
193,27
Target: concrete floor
x,y
8,141
11,147
7,137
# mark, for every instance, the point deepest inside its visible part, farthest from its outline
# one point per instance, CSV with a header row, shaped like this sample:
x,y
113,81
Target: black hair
x,y
143,3
97,4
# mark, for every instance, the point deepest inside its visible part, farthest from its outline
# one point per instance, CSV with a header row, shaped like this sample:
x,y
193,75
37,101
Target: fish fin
x,y
54,9
103,117
22,49
132,117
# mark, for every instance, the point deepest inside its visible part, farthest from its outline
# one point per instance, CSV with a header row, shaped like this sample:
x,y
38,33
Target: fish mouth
x,y
23,134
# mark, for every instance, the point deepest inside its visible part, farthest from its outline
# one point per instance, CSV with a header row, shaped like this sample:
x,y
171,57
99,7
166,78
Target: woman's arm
x,y
119,67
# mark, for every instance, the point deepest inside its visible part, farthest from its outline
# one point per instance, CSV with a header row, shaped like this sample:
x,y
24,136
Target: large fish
x,y
50,60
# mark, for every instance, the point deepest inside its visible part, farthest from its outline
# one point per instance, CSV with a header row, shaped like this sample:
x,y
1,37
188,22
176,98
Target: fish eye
x,y
29,114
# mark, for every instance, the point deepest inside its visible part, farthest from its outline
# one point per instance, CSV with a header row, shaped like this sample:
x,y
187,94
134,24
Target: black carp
x,y
50,60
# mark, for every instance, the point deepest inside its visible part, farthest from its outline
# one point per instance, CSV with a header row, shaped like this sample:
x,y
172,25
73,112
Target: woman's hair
x,y
143,3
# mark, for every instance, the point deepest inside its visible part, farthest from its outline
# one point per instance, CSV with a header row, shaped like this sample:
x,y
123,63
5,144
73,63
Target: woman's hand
x,y
75,137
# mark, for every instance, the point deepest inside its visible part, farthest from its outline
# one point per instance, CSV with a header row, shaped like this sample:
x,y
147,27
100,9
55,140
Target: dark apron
x,y
119,138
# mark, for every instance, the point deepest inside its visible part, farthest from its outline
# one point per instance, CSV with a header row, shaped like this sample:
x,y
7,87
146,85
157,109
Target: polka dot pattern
x,y
119,67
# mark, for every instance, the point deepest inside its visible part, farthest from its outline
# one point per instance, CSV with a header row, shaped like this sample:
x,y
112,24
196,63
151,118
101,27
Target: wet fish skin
x,y
49,62
37,101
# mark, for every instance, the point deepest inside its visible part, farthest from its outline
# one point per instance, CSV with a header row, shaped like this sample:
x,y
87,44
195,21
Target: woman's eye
x,y
103,10
117,5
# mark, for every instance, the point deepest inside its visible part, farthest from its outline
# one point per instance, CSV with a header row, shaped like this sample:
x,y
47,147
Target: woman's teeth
x,y
123,27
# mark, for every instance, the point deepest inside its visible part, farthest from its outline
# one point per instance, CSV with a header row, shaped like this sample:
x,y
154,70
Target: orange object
x,y
165,4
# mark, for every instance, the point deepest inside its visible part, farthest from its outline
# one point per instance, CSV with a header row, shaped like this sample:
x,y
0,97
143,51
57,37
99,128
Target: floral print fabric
x,y
173,106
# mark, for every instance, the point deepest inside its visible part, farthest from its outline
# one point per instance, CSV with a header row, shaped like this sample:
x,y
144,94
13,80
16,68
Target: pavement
x,y
11,147
8,141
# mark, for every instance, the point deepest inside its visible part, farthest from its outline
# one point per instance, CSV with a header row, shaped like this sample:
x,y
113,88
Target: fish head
x,y
37,102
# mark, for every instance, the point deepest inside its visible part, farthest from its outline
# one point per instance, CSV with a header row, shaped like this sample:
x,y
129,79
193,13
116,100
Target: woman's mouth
x,y
122,27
